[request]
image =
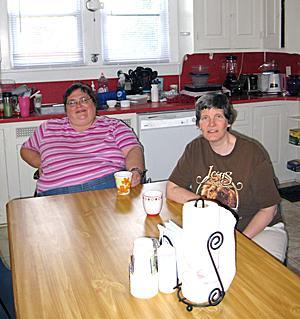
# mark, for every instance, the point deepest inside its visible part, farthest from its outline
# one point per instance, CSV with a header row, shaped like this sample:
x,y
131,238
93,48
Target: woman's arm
x,y
179,194
31,157
134,158
261,219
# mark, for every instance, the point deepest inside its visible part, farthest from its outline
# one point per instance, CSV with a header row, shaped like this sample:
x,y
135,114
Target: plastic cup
x,y
24,104
123,182
152,202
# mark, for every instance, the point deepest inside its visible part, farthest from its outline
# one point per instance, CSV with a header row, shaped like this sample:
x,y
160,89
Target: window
x,y
136,32
61,40
45,34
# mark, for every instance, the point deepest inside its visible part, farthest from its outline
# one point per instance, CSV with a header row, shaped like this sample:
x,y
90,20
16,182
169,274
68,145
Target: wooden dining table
x,y
70,256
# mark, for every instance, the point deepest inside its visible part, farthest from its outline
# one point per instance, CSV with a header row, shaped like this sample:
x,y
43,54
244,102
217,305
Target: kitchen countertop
x,y
154,107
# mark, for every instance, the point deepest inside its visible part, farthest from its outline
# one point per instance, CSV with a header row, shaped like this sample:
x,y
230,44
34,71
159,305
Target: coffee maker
x,y
231,82
249,83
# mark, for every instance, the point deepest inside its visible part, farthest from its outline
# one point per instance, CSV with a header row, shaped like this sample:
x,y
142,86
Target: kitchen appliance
x,y
293,85
205,88
168,131
199,79
271,82
249,83
231,82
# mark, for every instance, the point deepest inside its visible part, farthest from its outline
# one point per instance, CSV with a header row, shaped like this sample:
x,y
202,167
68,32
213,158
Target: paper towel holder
x,y
214,242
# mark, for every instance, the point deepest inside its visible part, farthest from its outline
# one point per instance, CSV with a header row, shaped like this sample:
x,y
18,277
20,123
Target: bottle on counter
x,y
121,94
7,106
154,93
102,84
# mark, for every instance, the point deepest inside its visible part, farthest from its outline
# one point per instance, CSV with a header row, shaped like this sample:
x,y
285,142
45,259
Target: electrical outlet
x,y
288,70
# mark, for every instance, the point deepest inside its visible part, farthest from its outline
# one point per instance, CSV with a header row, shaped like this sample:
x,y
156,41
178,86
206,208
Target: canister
x,y
7,106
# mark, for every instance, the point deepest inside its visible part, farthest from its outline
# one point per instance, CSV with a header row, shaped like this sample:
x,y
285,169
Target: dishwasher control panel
x,y
152,123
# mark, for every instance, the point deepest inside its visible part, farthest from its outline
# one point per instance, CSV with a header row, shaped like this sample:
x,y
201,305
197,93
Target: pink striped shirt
x,y
70,158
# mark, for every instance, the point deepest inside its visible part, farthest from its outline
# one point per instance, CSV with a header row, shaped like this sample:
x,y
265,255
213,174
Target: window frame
x,y
92,45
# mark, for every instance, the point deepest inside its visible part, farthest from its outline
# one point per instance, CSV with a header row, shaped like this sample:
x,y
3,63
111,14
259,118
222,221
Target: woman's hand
x,y
134,159
136,178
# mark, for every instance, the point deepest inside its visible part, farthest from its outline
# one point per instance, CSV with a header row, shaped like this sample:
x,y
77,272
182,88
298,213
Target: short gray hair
x,y
217,101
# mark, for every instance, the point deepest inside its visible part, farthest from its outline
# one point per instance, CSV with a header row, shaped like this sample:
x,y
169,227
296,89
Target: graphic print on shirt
x,y
219,186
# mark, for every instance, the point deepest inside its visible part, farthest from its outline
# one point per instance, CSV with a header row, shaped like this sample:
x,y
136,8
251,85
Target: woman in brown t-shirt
x,y
232,169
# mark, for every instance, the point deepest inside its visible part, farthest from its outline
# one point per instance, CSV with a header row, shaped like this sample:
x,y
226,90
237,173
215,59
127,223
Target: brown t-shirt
x,y
243,180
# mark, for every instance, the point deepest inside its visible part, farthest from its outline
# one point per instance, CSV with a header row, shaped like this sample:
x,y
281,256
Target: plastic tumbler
x,y
24,104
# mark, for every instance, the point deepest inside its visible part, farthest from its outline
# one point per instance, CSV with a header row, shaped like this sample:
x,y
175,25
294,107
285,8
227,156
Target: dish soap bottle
x,y
102,84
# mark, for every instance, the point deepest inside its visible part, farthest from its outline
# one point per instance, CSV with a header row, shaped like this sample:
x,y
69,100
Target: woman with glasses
x,y
82,151
232,169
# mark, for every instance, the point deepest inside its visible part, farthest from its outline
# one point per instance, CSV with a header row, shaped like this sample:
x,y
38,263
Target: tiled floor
x,y
291,215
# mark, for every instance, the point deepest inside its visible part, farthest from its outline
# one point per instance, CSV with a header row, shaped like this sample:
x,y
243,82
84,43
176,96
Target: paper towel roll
x,y
199,223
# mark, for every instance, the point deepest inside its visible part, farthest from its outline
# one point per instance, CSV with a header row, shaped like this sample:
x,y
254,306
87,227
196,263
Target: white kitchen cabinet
x,y
272,24
4,179
21,182
219,24
270,127
292,27
129,118
243,123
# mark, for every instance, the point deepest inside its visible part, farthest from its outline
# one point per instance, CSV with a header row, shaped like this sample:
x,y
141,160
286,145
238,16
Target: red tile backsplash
x,y
247,62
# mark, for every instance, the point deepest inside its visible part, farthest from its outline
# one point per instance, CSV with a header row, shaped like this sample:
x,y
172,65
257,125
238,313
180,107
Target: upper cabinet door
x,y
212,24
246,24
272,26
292,26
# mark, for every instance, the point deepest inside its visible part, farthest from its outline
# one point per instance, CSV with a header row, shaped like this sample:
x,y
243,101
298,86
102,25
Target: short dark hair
x,y
84,88
217,101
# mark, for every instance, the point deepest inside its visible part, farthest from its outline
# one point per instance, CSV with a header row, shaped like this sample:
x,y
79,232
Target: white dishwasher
x,y
164,136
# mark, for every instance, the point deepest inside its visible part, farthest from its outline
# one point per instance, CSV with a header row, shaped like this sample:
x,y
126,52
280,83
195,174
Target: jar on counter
x,y
154,93
7,106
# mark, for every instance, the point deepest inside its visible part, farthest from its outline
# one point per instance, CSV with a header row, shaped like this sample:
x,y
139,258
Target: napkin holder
x,y
205,246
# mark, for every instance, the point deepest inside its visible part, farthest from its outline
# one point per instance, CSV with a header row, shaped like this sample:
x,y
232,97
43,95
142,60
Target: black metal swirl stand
x,y
214,242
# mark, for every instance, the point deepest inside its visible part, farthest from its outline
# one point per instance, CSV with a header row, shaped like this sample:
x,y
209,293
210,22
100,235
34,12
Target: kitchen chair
x,y
36,176
7,308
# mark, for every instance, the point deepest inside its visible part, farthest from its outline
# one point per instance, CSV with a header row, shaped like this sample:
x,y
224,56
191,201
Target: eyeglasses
x,y
82,101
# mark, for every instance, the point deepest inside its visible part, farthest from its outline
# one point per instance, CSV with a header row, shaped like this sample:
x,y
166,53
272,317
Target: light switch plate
x,y
288,70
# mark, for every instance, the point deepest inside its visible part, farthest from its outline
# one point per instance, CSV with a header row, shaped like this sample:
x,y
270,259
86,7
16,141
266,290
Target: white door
x,y
27,183
292,26
243,122
272,26
246,24
270,127
212,24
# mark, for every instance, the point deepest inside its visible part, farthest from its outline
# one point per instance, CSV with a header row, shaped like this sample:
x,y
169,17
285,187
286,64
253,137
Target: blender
x,y
231,82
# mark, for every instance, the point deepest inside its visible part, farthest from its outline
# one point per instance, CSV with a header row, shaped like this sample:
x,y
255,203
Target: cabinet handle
x,y
185,33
